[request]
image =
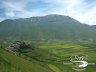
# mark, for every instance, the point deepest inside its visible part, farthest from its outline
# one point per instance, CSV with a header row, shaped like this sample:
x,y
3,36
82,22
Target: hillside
x,y
49,27
93,26
13,63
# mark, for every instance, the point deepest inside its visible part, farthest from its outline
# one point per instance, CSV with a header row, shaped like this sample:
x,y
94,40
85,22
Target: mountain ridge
x,y
46,27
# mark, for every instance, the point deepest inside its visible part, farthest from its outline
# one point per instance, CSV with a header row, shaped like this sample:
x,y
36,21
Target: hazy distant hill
x,y
46,27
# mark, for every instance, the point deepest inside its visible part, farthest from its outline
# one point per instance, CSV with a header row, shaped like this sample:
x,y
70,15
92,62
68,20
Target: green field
x,y
48,57
63,52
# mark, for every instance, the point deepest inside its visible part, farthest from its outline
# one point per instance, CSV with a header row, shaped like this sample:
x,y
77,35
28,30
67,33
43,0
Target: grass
x,y
53,67
50,54
12,63
65,50
65,45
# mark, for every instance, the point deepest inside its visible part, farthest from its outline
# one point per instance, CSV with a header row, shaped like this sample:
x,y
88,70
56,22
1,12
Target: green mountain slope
x,y
12,63
46,27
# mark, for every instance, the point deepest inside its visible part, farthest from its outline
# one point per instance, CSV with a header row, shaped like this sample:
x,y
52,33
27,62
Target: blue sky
x,y
81,10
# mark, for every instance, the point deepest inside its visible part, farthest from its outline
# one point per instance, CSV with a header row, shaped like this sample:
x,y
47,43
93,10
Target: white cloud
x,y
1,19
18,9
78,9
10,14
25,13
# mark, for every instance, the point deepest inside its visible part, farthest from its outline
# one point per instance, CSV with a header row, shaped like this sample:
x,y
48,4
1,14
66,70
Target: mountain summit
x,y
50,27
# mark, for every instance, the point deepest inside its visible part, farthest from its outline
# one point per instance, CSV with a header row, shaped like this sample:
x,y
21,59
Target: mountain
x,y
49,27
93,26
